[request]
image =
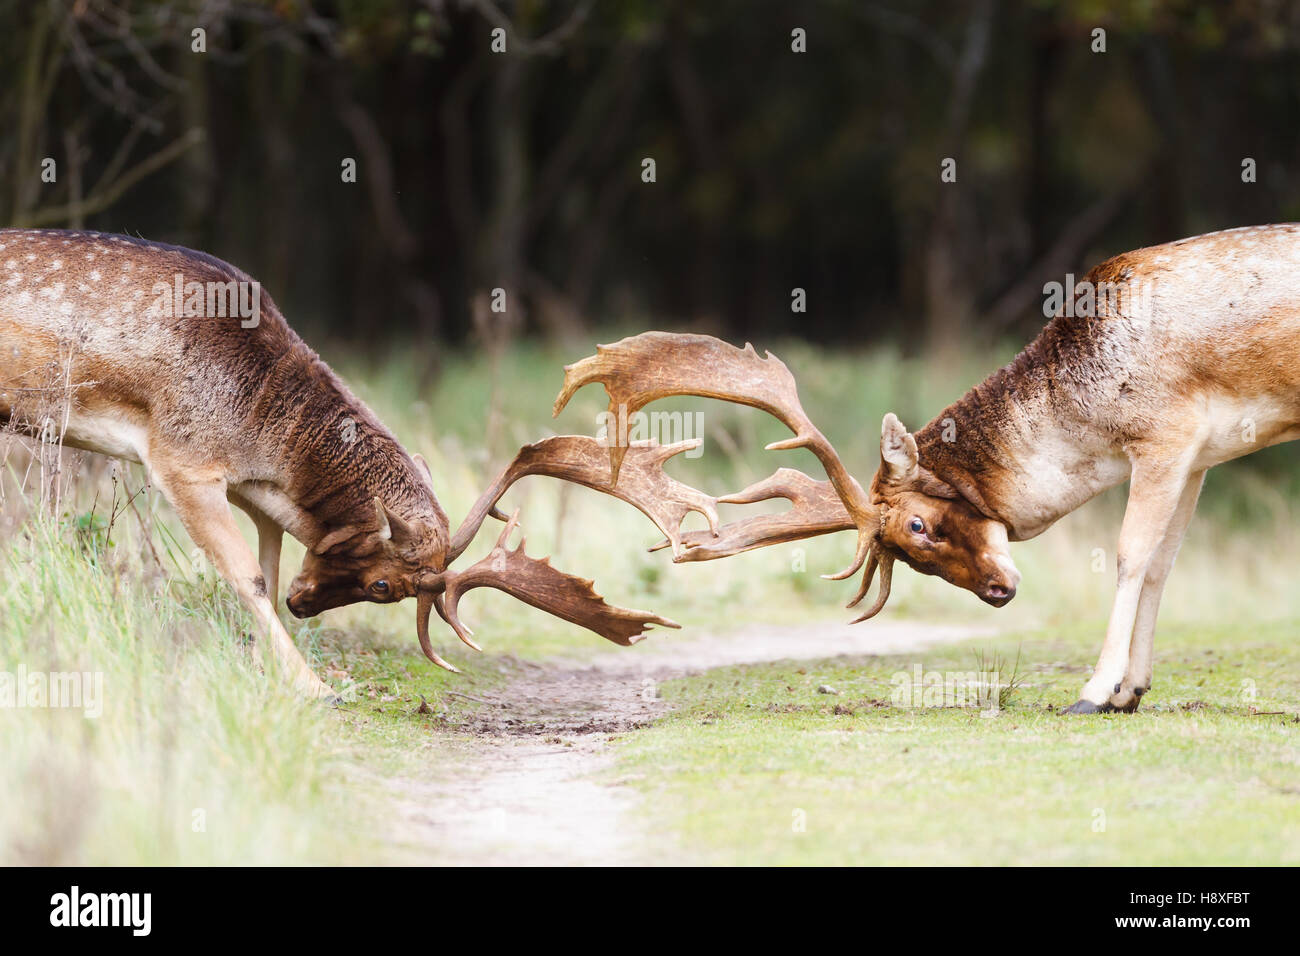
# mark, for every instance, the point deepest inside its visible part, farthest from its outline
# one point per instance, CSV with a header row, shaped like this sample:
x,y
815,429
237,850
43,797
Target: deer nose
x,y
1000,584
295,601
1000,591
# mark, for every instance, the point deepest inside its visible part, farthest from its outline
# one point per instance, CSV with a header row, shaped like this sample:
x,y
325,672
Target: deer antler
x,y
637,370
534,582
583,460
817,510
885,561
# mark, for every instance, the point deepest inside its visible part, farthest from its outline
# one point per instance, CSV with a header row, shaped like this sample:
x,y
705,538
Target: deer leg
x,y
1138,679
269,538
1154,493
203,510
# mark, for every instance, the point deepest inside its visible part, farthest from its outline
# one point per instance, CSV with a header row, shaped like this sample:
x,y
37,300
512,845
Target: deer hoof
x,y
1127,705
1126,699
1088,707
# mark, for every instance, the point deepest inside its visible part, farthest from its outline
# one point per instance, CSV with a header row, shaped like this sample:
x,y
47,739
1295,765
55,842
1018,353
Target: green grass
x,y
189,724
756,767
193,757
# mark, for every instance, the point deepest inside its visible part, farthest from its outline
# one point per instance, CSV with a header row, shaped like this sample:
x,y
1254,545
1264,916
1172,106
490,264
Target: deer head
x,y
927,524
384,558
376,559
909,513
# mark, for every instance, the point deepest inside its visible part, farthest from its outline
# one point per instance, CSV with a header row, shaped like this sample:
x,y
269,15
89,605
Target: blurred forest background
x,y
522,170
775,169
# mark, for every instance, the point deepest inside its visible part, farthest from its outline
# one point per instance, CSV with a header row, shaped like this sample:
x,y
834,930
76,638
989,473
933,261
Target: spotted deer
x,y
1179,363
157,361
1177,358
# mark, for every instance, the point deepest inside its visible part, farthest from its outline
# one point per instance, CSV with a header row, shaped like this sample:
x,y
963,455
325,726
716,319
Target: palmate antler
x,y
637,370
584,461
534,582
817,510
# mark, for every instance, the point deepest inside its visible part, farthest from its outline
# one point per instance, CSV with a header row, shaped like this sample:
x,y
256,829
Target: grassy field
x,y
757,767
193,758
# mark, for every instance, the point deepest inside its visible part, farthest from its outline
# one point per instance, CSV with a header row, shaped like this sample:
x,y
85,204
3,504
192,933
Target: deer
x,y
1175,358
144,352
1182,364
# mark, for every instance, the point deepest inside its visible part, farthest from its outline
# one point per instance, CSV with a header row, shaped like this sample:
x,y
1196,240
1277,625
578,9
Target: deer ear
x,y
935,487
335,538
424,469
897,450
385,531
392,527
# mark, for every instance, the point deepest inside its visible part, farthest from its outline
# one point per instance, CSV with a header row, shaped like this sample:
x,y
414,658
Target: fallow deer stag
x,y
141,351
1175,358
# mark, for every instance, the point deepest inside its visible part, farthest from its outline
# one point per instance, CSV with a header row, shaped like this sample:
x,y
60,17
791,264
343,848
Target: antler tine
x,y
868,573
584,460
637,370
817,510
424,604
463,630
535,582
885,561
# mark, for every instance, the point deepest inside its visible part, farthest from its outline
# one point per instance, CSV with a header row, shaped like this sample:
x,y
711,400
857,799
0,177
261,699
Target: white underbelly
x,y
107,434
277,506
1233,427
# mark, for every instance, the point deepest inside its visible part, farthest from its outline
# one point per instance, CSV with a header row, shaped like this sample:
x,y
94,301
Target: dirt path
x,y
527,793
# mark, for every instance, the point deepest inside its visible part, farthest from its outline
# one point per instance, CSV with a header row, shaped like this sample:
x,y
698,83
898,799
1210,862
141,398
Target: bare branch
x,y
549,44
100,201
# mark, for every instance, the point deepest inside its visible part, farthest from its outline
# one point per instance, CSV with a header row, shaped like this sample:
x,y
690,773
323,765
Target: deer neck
x,y
331,456
1020,446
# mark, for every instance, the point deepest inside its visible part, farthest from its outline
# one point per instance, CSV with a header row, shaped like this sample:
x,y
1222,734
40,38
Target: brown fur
x,y
258,403
1200,365
214,410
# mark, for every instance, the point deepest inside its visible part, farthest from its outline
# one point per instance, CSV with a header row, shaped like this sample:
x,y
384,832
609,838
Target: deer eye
x,y
916,526
379,587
